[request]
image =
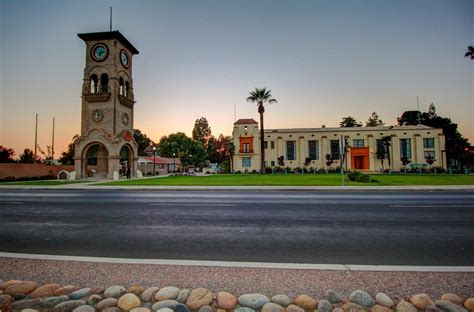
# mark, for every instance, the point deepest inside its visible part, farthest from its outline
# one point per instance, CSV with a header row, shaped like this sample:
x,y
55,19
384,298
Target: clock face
x,y
99,52
97,115
125,118
124,59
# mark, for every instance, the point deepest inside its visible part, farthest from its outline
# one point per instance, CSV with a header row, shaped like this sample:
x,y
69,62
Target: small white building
x,y
163,165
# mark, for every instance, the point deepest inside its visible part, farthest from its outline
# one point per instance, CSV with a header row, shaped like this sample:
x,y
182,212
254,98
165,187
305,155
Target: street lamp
x,y
154,155
174,162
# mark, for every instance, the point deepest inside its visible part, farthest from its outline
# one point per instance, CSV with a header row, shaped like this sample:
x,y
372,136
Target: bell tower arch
x,y
107,106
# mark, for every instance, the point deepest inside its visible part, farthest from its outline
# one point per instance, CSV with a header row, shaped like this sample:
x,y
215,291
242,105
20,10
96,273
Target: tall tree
x,y
470,52
178,145
202,131
28,156
374,121
142,141
261,96
349,122
67,157
387,142
6,155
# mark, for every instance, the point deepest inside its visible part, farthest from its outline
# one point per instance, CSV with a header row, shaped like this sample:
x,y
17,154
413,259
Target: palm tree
x,y
470,52
387,142
261,96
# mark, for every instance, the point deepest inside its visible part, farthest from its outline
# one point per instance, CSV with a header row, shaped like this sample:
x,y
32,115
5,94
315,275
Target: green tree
x,y
211,150
6,155
374,121
470,52
178,145
142,141
67,157
261,96
202,131
387,142
349,122
27,157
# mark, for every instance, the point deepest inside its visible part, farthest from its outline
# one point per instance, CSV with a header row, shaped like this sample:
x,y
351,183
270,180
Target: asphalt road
x,y
326,227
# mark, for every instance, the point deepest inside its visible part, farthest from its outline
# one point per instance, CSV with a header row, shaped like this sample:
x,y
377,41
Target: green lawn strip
x,y
297,180
43,182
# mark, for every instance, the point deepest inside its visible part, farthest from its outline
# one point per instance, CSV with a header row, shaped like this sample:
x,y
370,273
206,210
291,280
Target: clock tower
x,y
106,148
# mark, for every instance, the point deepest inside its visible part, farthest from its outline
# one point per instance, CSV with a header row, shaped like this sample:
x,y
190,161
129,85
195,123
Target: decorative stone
x,y
51,302
27,304
136,290
114,291
282,300
449,306
404,306
206,309
106,303
7,284
362,298
81,293
98,290
140,309
165,304
433,308
19,296
254,301
199,297
333,297
149,293
69,305
84,308
128,302
183,295
65,290
384,300
244,309
453,298
5,302
167,293
181,308
294,308
305,302
45,290
29,310
421,301
325,306
111,309
22,288
226,300
272,307
165,310
469,304
380,308
353,307
147,304
94,299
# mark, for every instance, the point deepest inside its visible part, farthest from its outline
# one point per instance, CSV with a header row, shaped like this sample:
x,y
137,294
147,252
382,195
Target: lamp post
x,y
174,162
154,155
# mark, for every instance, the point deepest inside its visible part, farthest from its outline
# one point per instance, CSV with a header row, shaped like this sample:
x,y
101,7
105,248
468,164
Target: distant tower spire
x,y
110,18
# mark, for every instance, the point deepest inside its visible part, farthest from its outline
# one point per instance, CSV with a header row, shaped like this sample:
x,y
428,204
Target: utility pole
x,y
110,18
341,156
36,136
52,145
418,109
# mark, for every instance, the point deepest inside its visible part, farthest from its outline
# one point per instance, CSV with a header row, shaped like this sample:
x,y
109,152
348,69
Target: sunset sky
x,y
323,60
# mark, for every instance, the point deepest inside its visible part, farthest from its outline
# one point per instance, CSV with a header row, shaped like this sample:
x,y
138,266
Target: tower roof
x,y
245,121
107,35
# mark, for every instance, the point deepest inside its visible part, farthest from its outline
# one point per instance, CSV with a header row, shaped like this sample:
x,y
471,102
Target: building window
x,y
430,154
272,163
265,144
246,162
428,143
381,150
313,150
335,149
405,148
246,148
272,144
290,150
358,143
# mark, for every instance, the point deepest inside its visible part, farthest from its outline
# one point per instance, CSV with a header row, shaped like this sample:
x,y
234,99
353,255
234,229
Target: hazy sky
x,y
323,60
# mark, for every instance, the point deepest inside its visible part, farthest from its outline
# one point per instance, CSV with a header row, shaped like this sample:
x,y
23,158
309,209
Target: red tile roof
x,y
245,122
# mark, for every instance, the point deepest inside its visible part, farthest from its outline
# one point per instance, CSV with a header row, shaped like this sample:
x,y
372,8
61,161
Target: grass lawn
x,y
321,179
42,182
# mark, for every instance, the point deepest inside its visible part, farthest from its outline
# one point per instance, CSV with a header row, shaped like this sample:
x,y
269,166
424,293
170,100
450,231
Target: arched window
x,y
127,88
93,84
104,83
121,86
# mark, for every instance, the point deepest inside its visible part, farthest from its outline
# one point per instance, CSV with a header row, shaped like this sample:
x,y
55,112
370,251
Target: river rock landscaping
x,y
27,296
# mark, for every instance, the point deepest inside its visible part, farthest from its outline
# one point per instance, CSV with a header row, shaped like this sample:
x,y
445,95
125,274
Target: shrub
x,y
268,170
357,176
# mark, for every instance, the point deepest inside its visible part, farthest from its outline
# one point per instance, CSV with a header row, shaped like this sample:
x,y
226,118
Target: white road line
x,y
432,206
262,265
192,204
